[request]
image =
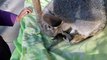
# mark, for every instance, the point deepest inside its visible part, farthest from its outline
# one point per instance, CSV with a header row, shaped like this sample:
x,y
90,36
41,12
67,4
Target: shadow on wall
x,y
2,1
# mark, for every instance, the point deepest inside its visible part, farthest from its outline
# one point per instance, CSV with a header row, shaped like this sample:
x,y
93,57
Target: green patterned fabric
x,y
31,44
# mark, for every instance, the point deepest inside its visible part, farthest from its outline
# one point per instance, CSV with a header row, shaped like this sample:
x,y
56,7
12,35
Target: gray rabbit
x,y
76,20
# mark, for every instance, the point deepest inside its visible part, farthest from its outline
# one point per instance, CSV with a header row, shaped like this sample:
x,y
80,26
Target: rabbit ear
x,y
52,20
37,7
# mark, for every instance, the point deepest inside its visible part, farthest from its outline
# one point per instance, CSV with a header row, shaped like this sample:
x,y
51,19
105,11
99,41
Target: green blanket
x,y
31,44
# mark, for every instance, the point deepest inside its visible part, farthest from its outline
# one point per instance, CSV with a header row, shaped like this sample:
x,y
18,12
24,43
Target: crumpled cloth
x,y
31,44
